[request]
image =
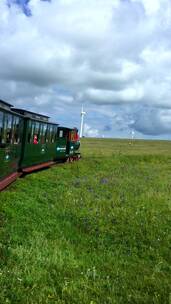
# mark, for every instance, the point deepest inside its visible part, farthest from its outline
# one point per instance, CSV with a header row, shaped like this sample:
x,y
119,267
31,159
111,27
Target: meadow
x,y
97,231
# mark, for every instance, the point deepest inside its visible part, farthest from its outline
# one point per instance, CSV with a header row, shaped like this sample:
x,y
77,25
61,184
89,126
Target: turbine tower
x,y
132,134
82,122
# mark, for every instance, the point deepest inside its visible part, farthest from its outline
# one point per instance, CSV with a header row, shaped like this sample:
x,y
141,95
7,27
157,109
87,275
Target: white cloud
x,y
90,132
127,95
151,6
153,122
105,52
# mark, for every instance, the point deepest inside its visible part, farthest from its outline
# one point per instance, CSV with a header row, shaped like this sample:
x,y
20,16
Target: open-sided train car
x,y
29,141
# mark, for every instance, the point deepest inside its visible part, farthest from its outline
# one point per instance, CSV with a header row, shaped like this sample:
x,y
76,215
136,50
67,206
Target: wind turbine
x,y
82,122
132,134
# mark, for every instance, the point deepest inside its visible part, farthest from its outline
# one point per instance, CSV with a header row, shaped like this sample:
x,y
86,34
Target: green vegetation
x,y
94,231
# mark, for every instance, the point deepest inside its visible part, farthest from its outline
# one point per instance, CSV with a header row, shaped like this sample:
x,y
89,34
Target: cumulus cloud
x,y
90,132
56,55
153,122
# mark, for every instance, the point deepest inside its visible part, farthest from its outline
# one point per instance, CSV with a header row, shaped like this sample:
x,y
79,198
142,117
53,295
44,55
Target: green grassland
x,y
93,231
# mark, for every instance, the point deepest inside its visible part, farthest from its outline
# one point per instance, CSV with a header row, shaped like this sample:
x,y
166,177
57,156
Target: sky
x,y
112,56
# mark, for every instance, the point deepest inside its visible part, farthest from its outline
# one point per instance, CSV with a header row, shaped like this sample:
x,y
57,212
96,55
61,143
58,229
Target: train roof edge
x,y
30,114
5,105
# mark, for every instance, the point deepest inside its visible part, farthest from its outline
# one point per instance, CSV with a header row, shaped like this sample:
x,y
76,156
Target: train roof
x,y
64,128
70,129
5,105
32,115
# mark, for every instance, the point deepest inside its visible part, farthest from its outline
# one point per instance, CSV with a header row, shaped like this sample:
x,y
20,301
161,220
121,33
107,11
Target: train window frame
x,y
50,133
40,132
61,133
29,132
56,133
16,137
43,128
1,127
53,133
9,129
47,134
33,127
8,123
37,130
72,135
44,131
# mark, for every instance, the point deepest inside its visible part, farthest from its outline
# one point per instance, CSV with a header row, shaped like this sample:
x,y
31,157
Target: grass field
x,y
94,231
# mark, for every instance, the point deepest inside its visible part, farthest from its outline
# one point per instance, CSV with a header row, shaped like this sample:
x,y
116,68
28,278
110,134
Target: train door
x,y
35,146
61,143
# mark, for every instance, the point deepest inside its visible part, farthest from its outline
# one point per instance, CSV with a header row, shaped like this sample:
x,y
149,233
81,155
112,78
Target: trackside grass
x,y
97,231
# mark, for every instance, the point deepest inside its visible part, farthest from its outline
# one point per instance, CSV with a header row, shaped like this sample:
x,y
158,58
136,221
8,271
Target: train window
x,y
72,136
32,131
29,131
16,130
44,131
43,128
8,128
54,130
40,133
56,133
47,134
61,133
1,127
50,133
37,130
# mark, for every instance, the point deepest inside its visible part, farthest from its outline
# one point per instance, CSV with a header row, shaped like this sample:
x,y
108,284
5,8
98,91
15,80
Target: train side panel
x,y
39,143
11,129
61,144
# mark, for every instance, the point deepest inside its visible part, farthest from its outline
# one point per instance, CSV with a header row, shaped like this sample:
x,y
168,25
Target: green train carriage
x,y
29,141
43,145
11,135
